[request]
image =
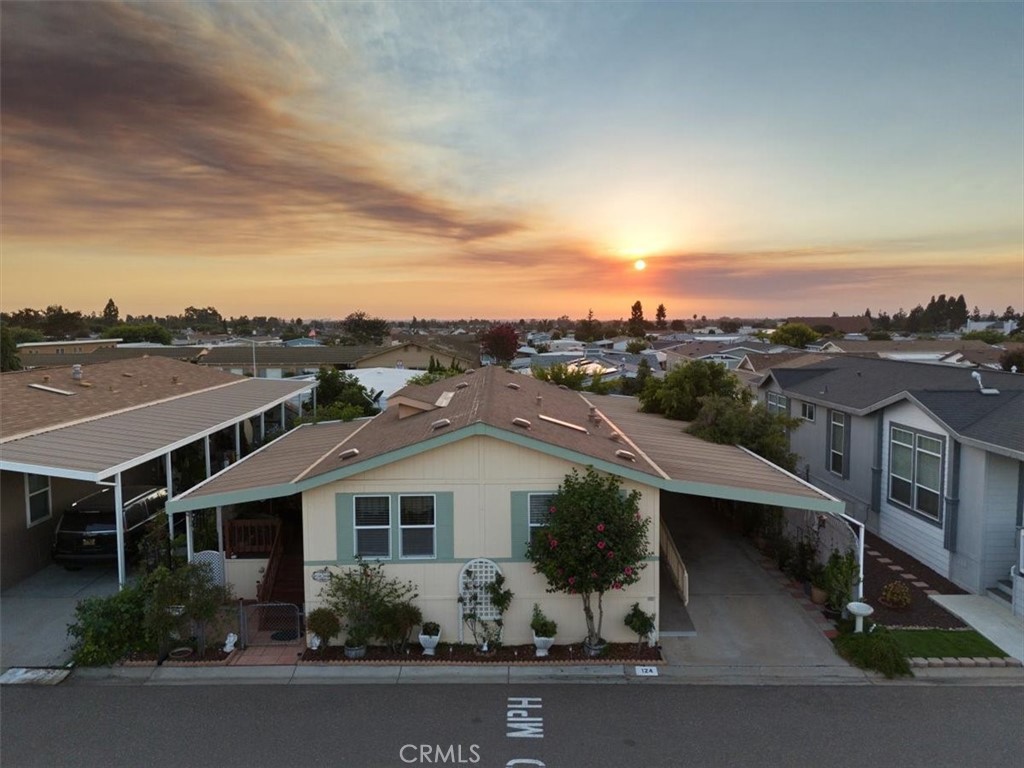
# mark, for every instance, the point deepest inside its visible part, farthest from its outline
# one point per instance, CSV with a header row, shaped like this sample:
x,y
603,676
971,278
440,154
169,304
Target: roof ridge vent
x,y
627,455
441,423
512,385
462,385
524,423
348,453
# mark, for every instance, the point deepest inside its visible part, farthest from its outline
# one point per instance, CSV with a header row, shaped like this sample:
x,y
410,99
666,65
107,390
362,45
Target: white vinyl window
x,y
37,499
418,523
777,403
915,471
807,411
373,527
837,443
540,511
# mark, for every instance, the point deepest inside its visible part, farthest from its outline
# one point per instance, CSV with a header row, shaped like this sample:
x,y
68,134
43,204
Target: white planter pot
x,y
429,643
542,644
314,641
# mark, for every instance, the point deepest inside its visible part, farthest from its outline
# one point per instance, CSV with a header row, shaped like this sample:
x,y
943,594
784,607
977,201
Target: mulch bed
x,y
923,611
451,653
214,655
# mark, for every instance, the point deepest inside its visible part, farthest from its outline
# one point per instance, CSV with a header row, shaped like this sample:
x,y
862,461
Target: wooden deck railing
x,y
676,566
250,538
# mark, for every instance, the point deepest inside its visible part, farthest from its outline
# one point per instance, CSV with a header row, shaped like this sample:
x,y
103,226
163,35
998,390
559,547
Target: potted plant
x,y
544,630
355,643
840,573
430,636
819,585
640,622
323,624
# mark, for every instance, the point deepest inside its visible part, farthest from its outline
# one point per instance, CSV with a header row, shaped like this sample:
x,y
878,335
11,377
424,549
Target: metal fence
x,y
270,624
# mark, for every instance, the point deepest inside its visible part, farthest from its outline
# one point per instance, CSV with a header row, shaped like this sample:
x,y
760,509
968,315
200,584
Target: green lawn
x,y
943,642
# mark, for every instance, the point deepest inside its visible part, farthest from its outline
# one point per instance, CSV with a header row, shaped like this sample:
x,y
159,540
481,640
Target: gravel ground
x,y
923,611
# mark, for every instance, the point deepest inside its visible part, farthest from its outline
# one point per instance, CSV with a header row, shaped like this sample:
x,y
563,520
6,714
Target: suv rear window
x,y
88,522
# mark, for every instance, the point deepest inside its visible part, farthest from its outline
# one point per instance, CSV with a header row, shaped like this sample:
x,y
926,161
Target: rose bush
x,y
595,540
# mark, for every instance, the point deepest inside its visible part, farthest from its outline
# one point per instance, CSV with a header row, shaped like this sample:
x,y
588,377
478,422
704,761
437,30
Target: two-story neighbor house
x,y
465,468
929,456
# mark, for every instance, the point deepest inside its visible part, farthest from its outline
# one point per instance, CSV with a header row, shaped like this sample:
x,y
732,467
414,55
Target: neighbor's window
x,y
37,492
540,511
776,403
418,523
837,443
373,526
807,411
915,471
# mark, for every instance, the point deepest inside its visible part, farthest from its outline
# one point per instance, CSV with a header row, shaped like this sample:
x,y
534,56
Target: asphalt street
x,y
507,725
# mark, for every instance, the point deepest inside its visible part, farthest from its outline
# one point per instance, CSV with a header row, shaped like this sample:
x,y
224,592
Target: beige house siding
x,y
481,475
23,549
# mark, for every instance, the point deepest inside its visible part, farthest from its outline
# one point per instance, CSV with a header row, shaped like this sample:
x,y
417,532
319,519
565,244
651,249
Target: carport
x,y
694,470
102,446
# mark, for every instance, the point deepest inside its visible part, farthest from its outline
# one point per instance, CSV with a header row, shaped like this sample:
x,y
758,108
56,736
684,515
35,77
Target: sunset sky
x,y
509,160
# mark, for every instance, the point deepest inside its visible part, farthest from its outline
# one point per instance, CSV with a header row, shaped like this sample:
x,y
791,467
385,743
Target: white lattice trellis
x,y
473,580
216,562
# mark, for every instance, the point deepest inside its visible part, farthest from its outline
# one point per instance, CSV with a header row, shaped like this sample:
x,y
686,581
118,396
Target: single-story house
x,y
465,468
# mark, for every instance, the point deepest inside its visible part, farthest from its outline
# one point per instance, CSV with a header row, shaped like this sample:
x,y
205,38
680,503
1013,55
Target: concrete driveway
x,y
35,613
744,616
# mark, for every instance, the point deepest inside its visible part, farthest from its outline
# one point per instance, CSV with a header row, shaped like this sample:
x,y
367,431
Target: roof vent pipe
x,y
539,400
981,387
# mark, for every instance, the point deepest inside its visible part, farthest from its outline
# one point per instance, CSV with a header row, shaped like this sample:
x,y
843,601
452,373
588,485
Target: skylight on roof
x,y
52,390
561,423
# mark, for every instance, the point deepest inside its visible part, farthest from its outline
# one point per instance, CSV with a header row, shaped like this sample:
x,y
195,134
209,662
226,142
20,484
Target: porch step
x,y
1002,597
1005,586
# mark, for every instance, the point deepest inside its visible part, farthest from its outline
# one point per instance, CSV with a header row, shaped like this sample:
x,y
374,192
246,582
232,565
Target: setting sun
x,y
639,265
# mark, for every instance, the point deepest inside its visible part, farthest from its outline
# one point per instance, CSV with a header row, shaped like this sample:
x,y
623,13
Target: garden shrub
x,y
107,629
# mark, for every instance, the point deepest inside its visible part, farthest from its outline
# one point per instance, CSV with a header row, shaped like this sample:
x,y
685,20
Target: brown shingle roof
x,y
486,398
663,451
105,388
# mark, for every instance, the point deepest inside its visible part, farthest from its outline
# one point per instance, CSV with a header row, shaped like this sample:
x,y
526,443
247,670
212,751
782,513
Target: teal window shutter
x,y
520,523
344,506
444,520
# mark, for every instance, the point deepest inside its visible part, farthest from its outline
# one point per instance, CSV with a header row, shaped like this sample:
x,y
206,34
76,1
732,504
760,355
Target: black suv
x,y
87,531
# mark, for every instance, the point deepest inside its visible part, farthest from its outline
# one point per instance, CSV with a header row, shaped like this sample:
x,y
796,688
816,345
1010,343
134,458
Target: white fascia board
x,y
36,469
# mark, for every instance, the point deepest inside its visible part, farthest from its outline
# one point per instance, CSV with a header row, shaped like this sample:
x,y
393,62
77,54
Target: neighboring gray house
x,y
931,459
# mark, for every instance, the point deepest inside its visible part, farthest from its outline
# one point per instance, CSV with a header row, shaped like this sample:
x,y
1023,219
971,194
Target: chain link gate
x,y
270,624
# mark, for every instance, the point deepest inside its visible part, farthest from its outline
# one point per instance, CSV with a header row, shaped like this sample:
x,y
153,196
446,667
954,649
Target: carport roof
x,y
514,409
98,446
